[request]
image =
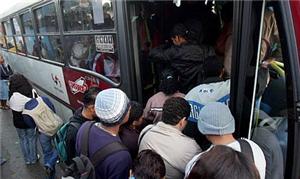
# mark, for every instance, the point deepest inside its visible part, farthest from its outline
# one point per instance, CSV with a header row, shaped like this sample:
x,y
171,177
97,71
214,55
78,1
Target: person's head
x,y
169,81
223,162
135,118
148,165
19,83
213,67
88,101
179,34
216,119
176,111
195,31
112,107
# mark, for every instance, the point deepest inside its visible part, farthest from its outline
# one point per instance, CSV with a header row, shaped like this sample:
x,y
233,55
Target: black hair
x,y
19,83
212,67
223,162
136,111
149,165
195,31
169,81
90,95
174,109
179,30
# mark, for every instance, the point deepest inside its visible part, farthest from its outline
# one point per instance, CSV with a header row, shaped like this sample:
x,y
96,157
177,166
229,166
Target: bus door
x,y
265,79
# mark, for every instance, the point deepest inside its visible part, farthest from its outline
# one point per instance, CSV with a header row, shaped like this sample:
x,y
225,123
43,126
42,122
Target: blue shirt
x,y
116,165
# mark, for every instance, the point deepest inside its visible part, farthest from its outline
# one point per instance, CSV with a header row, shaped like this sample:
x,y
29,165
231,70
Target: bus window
x,y
50,47
9,36
83,52
27,23
80,15
26,20
18,38
270,112
46,19
2,37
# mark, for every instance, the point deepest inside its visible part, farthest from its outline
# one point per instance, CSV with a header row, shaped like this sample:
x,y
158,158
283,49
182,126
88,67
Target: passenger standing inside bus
x,y
5,72
20,93
169,87
218,125
185,55
85,113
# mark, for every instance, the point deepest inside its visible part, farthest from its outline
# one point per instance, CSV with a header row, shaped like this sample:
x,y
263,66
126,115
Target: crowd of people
x,y
185,130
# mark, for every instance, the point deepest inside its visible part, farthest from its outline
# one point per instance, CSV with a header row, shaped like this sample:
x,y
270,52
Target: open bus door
x,y
248,22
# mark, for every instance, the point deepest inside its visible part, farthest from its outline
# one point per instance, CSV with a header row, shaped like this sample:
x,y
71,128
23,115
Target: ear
x,y
182,122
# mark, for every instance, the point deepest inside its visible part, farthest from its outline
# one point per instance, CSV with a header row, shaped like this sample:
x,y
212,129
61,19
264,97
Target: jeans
x,y
28,144
49,152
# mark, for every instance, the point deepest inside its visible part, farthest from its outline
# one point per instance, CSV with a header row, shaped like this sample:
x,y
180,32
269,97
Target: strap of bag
x,y
105,151
246,148
85,139
143,134
34,93
75,124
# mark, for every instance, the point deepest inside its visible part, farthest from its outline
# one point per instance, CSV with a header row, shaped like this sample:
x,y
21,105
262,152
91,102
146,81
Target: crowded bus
x,y
249,49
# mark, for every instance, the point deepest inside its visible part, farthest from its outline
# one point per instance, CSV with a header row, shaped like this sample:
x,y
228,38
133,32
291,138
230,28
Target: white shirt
x,y
259,158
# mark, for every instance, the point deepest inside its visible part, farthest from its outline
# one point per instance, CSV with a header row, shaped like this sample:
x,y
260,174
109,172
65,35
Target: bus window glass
x,y
270,121
2,37
8,29
10,44
82,15
27,23
20,44
16,26
50,48
46,19
84,53
31,47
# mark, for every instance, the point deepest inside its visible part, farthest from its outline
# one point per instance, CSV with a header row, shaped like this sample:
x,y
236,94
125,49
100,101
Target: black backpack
x,y
83,167
246,149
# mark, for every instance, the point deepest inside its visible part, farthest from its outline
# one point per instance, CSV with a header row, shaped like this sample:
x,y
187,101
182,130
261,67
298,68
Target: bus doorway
x,y
151,23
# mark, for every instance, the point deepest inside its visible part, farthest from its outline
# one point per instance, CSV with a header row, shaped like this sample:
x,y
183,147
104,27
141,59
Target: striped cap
x,y
111,106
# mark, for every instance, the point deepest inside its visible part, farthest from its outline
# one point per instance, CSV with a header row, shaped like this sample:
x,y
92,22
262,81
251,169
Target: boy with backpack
x,y
65,139
217,124
100,141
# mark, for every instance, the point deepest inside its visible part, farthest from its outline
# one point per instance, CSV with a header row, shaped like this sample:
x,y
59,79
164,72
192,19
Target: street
x,y
15,167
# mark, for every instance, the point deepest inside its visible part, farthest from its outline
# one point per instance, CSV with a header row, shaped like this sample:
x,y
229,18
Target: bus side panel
x,y
77,83
44,75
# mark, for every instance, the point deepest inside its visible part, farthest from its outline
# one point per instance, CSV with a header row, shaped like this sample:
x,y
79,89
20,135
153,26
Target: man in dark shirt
x,y
85,113
112,108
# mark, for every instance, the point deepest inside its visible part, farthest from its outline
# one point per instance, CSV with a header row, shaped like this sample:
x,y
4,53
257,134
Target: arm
x,y
163,53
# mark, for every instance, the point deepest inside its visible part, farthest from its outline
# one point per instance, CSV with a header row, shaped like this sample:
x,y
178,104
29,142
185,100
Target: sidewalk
x,y
14,167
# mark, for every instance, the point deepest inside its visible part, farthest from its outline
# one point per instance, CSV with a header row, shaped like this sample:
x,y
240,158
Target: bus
x,y
66,46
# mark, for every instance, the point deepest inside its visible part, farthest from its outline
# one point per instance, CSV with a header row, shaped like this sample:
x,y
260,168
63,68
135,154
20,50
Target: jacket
x,y
187,58
172,145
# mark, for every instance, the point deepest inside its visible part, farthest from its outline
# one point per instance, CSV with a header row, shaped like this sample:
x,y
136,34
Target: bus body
x,y
64,47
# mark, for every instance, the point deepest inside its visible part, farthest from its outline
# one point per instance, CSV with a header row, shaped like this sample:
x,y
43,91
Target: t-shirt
x,y
116,165
259,158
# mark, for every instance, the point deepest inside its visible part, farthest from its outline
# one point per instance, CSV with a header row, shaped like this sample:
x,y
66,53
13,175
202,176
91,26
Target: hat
x,y
111,106
216,119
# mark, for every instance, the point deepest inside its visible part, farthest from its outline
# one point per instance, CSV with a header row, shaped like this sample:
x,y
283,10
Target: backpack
x,y
83,166
246,148
60,139
44,117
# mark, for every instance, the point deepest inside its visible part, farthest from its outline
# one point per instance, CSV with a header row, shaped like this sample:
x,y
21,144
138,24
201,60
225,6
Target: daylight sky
x,y
12,4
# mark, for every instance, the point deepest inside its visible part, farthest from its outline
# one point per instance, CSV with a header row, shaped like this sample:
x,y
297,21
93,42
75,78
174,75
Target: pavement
x,y
15,167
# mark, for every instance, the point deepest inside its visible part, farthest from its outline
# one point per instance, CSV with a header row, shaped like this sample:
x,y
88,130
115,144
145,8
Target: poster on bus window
x,y
104,43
